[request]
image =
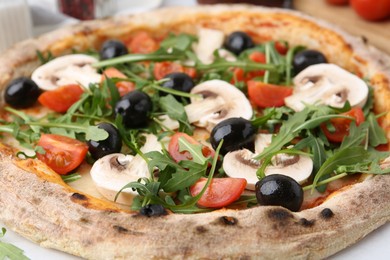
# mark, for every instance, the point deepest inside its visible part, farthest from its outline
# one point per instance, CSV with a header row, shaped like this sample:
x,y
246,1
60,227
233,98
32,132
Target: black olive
x,y
238,42
279,190
22,93
112,49
237,133
112,144
134,107
151,210
178,81
305,58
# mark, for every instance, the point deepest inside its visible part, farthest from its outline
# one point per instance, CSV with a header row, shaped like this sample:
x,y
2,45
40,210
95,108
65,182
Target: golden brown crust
x,y
37,204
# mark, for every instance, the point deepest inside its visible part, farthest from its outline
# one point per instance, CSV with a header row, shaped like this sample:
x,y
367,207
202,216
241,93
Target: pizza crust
x,y
38,205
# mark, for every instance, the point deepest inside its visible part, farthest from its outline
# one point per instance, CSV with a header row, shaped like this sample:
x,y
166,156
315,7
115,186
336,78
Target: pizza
x,y
207,132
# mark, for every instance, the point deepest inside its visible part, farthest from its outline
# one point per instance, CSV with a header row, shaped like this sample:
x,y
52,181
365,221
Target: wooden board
x,y
377,33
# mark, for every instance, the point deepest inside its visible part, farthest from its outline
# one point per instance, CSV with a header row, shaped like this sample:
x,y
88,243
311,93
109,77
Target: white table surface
x,y
374,246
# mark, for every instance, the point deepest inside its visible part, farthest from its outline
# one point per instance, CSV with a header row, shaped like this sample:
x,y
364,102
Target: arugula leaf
x,y
289,58
376,135
316,146
180,42
357,134
175,110
182,179
71,177
160,160
44,58
194,149
286,134
244,64
9,251
348,156
136,58
370,101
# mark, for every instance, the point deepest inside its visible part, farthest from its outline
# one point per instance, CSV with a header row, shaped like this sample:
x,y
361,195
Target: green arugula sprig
x,y
38,126
174,178
9,251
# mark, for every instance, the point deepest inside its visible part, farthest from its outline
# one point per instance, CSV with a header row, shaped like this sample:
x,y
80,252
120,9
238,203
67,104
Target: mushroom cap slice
x,y
65,70
112,172
298,167
223,100
209,40
327,84
240,164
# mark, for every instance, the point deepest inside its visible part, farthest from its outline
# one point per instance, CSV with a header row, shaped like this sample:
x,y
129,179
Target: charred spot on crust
x,y
230,221
364,39
120,229
36,201
306,223
84,220
279,214
326,213
78,196
201,229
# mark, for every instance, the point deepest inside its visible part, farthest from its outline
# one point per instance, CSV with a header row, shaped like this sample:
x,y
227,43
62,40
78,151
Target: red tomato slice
x,y
63,154
281,47
124,87
173,148
62,98
142,43
257,56
267,95
341,125
239,74
190,72
161,69
383,147
372,10
220,193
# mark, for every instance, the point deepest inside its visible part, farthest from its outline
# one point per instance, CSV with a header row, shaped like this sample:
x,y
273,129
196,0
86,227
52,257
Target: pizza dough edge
x,y
42,209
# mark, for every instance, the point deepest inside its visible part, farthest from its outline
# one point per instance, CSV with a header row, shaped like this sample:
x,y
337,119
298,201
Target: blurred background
x,y
22,19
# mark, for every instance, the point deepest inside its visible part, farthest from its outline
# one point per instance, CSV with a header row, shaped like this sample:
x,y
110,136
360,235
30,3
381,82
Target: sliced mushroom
x,y
298,167
217,100
64,70
327,84
112,172
224,101
240,164
262,141
209,40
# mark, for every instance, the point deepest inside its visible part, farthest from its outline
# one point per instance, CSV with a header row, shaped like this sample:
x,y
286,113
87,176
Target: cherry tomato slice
x,y
281,47
341,125
62,98
142,43
62,154
371,10
257,56
220,193
124,87
161,69
267,95
174,149
239,75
